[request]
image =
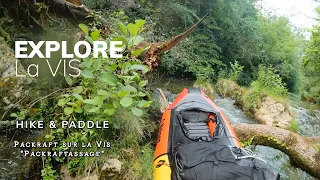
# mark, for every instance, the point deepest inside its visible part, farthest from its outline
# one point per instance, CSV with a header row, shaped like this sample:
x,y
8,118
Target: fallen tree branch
x,y
302,151
152,55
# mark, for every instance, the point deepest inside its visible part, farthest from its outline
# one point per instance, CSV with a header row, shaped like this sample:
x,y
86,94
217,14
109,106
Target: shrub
x,y
109,89
235,71
294,126
268,83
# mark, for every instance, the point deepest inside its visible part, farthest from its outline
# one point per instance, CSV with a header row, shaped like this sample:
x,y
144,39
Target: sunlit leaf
x,y
136,111
62,102
144,103
95,35
87,74
109,111
104,93
143,83
137,52
78,90
77,96
123,28
95,101
126,101
68,110
84,29
108,78
78,110
129,88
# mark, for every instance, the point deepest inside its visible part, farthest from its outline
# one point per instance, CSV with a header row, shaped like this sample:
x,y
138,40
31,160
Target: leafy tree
x,y
312,66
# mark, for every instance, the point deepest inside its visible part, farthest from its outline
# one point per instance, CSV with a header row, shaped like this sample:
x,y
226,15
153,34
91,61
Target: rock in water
x,y
273,113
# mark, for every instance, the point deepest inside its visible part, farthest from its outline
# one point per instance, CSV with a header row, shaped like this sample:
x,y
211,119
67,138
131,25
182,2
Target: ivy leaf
x,y
132,29
137,112
95,35
68,79
115,104
87,74
126,101
84,29
109,111
97,64
137,40
68,110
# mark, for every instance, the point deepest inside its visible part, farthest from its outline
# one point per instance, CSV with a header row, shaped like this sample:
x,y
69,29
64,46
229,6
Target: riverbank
x,y
267,109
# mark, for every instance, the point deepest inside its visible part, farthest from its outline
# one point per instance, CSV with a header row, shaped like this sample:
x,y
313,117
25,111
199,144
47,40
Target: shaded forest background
x,y
235,32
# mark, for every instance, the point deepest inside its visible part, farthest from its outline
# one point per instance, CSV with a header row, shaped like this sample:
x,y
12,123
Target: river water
x,y
309,125
276,158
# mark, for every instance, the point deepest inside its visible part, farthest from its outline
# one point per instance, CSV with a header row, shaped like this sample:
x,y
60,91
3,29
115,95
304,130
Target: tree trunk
x,y
303,151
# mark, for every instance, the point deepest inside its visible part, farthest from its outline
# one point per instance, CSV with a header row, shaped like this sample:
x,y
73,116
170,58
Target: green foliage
x,y
294,126
312,66
107,87
48,173
236,69
232,32
267,84
270,83
144,169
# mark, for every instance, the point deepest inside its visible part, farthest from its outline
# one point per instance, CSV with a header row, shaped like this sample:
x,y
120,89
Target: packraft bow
x,y
196,142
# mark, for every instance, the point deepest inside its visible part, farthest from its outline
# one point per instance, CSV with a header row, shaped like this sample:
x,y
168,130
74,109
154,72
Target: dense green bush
x,y
109,89
268,83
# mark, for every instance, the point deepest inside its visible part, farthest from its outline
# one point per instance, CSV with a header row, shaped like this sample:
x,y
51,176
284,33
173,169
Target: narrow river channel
x,y
309,125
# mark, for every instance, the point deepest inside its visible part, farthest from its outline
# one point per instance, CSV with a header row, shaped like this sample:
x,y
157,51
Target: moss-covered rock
x,y
207,87
229,88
